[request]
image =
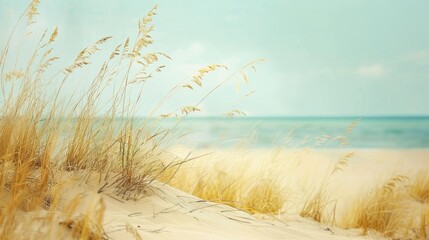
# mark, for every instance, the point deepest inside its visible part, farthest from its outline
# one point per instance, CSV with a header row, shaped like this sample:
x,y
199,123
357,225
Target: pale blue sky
x,y
337,57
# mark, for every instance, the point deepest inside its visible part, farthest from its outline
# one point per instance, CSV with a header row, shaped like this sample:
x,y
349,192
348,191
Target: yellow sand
x,y
168,213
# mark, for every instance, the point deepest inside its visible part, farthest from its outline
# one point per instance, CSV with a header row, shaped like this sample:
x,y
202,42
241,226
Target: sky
x,y
323,58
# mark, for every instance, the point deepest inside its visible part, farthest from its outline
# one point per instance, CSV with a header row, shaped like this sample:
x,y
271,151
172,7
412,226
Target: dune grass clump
x,y
419,188
397,208
265,197
74,219
235,180
419,194
260,185
215,182
377,209
88,225
317,205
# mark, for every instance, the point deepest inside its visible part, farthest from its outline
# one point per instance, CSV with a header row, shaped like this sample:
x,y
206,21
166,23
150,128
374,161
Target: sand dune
x,y
168,213
172,214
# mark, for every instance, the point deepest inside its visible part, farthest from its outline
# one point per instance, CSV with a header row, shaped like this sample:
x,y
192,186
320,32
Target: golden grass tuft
x,y
265,197
419,188
88,225
377,209
317,205
242,183
419,193
398,208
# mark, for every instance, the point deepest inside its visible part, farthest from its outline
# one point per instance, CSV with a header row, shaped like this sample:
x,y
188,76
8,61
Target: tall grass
x,y
398,208
235,179
280,185
317,204
45,138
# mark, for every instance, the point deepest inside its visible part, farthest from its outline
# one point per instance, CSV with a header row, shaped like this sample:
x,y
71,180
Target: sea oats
x,y
342,162
125,49
45,65
115,52
198,77
53,35
189,109
234,113
144,38
82,58
166,115
187,86
251,65
352,126
14,75
249,94
32,11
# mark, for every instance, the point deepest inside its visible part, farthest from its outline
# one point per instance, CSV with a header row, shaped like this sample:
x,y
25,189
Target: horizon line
x,y
299,116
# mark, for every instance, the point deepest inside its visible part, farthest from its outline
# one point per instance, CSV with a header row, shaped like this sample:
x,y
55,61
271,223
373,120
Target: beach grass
x,y
46,140
398,207
265,183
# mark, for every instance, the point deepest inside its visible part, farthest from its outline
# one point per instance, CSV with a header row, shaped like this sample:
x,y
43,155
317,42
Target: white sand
x,y
167,213
171,214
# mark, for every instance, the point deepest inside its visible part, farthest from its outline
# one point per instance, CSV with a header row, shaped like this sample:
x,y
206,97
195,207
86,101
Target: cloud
x,y
374,71
418,55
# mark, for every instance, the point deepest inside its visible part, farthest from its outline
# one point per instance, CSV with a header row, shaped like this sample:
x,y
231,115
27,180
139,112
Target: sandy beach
x,y
168,213
234,120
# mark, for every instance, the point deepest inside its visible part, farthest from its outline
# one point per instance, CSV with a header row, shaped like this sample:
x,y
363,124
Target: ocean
x,y
315,132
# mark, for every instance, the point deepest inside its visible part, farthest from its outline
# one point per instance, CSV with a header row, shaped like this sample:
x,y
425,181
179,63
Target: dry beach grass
x,y
63,168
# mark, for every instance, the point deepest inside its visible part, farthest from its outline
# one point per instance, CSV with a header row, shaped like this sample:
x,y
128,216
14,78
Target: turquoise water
x,y
369,132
